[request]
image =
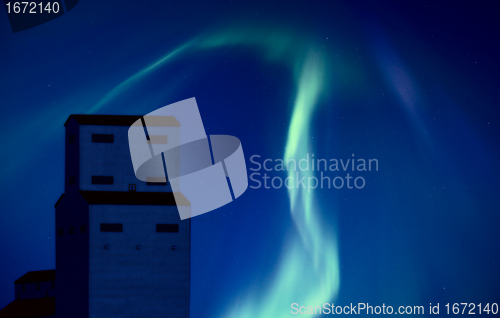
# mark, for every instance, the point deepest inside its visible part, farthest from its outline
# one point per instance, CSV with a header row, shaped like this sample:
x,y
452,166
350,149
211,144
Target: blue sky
x,y
413,85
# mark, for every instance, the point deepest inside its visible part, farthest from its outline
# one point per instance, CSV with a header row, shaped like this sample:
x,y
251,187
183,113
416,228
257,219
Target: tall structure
x,y
121,248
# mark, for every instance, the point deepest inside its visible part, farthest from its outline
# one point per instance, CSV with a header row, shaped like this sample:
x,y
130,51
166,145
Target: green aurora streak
x,y
309,266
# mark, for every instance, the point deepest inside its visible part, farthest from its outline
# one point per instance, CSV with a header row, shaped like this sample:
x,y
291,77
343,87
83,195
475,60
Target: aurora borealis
x,y
288,80
312,252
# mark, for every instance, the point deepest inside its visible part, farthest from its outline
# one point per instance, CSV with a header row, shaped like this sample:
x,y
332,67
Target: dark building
x,y
35,293
121,248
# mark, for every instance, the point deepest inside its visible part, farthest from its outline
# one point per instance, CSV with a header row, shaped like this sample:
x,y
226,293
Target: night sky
x,y
413,85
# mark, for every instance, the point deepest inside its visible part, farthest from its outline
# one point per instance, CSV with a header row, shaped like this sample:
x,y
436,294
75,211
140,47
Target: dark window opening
x,y
53,284
111,227
37,286
102,180
71,139
103,138
24,287
167,228
60,231
156,181
83,229
71,230
71,180
132,187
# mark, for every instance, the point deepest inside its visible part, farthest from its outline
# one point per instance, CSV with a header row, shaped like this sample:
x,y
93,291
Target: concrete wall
x,y
110,159
152,281
72,257
72,156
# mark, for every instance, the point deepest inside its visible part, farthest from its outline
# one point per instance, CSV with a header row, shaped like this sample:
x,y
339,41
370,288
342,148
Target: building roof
x,y
37,277
123,120
105,120
28,308
134,198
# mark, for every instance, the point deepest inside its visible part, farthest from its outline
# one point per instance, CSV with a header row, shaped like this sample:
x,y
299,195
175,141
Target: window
x,y
156,181
132,187
60,231
167,228
71,139
102,138
157,139
71,180
102,180
111,227
37,286
71,230
83,229
53,284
